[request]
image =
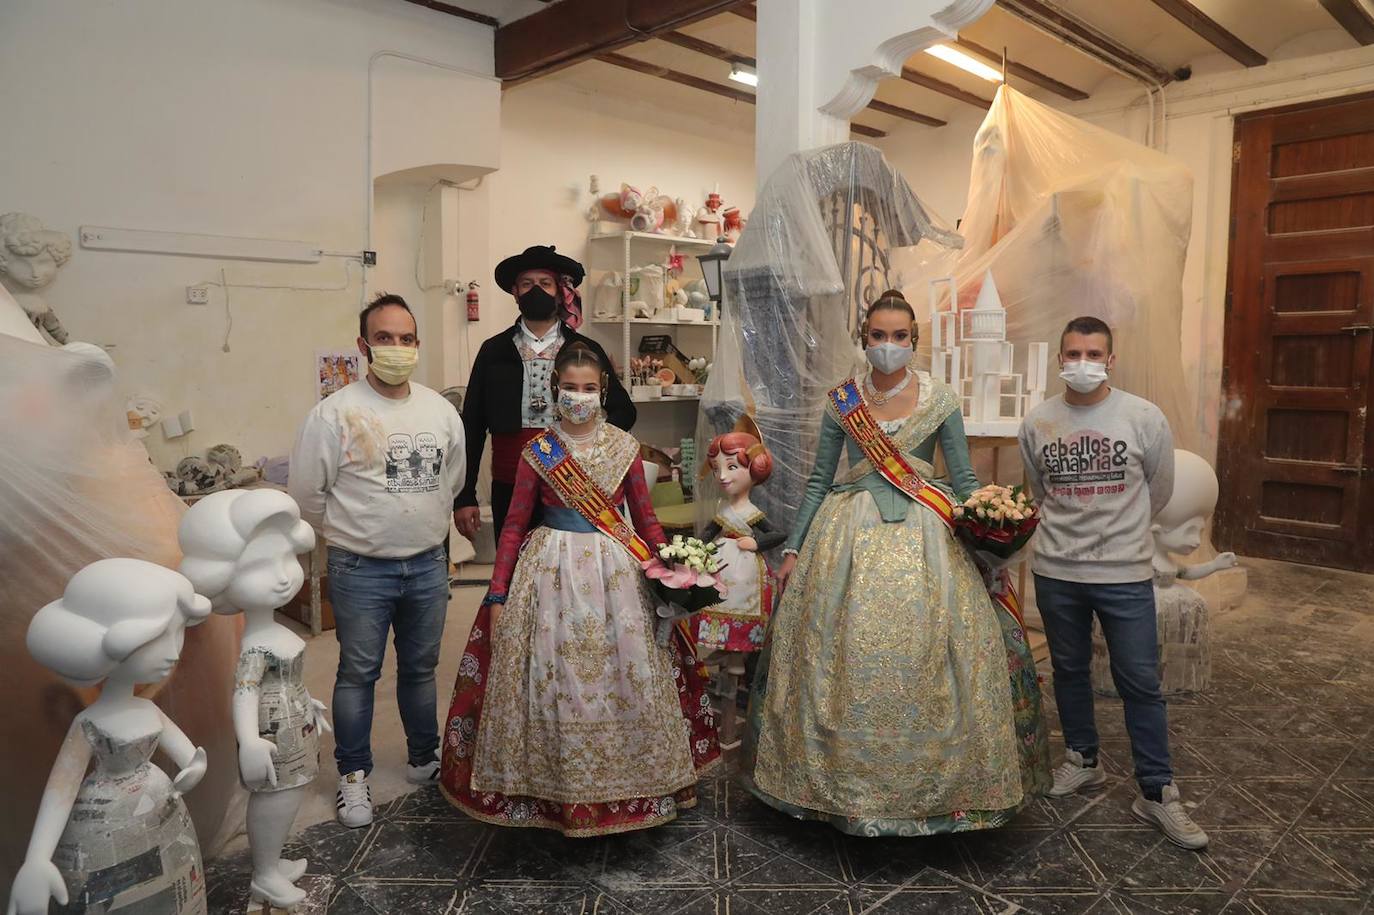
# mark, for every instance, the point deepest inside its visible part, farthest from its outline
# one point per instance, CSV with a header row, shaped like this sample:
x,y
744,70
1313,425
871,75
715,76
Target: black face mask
x,y
536,304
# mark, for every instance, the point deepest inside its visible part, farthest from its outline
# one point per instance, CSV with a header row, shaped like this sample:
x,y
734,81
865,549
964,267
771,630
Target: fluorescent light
x,y
964,62
741,73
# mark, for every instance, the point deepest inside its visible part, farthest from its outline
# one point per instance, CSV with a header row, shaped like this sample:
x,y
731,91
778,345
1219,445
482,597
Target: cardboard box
x,y
299,608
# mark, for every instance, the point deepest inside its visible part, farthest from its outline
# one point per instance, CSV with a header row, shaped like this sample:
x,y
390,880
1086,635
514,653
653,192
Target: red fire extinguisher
x,y
474,306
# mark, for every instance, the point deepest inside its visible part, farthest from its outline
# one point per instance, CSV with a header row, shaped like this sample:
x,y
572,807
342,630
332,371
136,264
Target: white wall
x,y
248,118
553,137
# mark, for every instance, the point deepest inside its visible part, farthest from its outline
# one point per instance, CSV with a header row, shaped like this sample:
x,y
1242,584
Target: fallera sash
x,y
889,460
569,479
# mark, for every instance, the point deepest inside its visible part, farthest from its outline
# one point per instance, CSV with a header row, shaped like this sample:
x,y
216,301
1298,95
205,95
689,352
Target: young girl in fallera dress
x,y
566,713
883,703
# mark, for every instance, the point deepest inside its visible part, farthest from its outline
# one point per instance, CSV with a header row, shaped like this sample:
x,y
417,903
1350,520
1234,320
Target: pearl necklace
x,y
583,439
881,397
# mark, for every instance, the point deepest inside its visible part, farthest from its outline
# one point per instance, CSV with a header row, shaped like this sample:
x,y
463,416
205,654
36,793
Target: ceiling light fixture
x,y
742,73
964,62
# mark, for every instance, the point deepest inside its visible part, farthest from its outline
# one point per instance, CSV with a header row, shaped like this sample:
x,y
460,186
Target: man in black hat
x,y
509,394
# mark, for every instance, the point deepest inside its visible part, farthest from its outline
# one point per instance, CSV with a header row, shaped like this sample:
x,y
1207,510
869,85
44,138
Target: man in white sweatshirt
x,y
1100,462
376,469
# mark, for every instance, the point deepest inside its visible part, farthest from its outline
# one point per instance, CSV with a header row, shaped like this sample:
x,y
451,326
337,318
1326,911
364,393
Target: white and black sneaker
x,y
1074,775
425,774
1168,815
354,800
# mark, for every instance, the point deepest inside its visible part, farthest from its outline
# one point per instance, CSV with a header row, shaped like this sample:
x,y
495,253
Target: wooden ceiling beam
x,y
944,88
718,52
564,33
1082,37
1030,75
746,11
1213,32
705,85
1352,18
458,11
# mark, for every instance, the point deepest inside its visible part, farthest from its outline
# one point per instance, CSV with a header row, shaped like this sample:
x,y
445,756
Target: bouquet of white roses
x,y
684,578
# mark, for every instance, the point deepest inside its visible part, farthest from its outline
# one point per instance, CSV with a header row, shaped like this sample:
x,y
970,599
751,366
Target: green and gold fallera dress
x,y
894,696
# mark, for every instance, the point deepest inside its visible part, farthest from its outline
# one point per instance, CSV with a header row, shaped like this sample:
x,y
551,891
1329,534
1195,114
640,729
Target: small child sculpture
x,y
1185,659
117,837
240,548
735,628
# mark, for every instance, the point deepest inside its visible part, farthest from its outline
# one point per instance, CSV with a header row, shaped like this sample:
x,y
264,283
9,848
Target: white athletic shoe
x,y
1171,819
423,775
354,800
1072,776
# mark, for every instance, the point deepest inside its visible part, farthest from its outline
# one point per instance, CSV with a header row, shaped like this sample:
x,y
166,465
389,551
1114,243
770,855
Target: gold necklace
x,y
878,398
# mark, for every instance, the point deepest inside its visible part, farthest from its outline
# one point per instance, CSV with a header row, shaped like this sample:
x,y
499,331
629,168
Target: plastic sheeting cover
x,y
74,488
1076,220
791,288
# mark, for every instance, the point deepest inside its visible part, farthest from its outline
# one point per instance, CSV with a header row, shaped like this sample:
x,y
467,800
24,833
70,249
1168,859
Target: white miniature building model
x,y
970,353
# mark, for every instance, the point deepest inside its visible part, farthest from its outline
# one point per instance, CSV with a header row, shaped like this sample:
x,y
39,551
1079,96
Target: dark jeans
x,y
370,597
1127,613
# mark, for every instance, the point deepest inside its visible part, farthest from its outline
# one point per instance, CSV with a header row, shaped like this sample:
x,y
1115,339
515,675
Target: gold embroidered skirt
x,y
581,705
885,699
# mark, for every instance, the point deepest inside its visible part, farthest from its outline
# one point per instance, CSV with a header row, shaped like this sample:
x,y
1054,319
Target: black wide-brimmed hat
x,y
537,257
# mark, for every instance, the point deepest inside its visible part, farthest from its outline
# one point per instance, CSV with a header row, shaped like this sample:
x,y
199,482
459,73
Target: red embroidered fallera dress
x,y
570,716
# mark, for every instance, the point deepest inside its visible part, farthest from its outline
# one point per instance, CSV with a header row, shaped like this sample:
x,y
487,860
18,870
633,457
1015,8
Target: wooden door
x,y
1295,450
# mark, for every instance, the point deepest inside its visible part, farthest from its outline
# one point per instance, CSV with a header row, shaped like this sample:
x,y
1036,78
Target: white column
x,y
819,62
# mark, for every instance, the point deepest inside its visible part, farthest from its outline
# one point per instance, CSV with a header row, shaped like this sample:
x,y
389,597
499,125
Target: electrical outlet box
x,y
198,295
455,287
369,258
184,420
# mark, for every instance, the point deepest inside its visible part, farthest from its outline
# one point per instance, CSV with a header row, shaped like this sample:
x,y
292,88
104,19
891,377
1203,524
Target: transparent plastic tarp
x,y
1076,220
817,249
76,487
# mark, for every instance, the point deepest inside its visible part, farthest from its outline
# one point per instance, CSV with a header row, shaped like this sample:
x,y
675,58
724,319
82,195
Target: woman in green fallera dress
x,y
894,696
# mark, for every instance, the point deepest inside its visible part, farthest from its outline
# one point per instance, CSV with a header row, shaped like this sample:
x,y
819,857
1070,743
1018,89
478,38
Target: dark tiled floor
x,y
1278,760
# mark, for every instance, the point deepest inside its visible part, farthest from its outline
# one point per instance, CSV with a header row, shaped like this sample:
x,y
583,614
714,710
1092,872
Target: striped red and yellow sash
x,y
888,459
570,480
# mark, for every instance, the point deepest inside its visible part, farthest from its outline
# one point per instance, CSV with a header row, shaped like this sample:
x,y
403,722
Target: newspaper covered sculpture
x,y
1181,613
970,353
241,550
112,832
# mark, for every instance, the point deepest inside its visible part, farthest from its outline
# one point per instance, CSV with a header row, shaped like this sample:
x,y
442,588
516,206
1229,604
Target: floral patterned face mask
x,y
578,407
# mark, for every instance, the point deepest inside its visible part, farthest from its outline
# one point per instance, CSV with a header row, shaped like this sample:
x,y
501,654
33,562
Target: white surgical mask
x,y
888,357
578,407
1084,376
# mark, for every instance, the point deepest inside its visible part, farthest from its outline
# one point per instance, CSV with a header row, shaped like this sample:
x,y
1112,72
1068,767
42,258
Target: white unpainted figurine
x,y
240,549
116,837
1185,658
30,256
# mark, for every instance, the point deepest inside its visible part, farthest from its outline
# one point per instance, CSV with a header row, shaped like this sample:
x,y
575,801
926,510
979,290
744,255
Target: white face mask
x,y
1084,376
578,407
888,357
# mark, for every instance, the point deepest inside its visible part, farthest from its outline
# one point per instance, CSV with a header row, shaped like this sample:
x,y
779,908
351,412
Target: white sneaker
x,y
354,800
1171,819
423,775
1072,776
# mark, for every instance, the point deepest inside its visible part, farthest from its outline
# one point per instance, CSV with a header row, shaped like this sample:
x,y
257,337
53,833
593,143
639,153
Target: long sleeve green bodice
x,y
892,503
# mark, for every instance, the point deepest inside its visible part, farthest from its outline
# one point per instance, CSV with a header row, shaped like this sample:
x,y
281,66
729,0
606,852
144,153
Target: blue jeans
x,y
1127,613
371,596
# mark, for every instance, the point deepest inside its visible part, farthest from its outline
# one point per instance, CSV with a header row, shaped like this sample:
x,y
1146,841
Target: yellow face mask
x,y
394,364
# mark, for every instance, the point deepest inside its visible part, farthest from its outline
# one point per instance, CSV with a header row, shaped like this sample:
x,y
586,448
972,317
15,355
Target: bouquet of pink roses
x,y
684,579
997,520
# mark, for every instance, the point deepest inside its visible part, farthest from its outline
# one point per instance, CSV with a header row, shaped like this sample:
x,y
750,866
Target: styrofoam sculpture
x,y
117,837
970,353
1185,657
240,549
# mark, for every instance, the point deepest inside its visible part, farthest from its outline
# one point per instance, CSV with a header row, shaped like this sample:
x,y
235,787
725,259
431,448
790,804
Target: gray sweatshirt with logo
x,y
1100,473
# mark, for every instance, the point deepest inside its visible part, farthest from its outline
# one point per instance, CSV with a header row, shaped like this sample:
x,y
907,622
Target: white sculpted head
x,y
1178,526
240,546
30,255
123,616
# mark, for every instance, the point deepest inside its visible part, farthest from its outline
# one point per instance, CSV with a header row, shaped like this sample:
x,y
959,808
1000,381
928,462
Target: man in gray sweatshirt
x,y
1101,464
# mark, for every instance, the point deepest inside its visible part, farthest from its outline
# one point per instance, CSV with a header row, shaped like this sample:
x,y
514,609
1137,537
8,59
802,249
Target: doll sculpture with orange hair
x,y
735,627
